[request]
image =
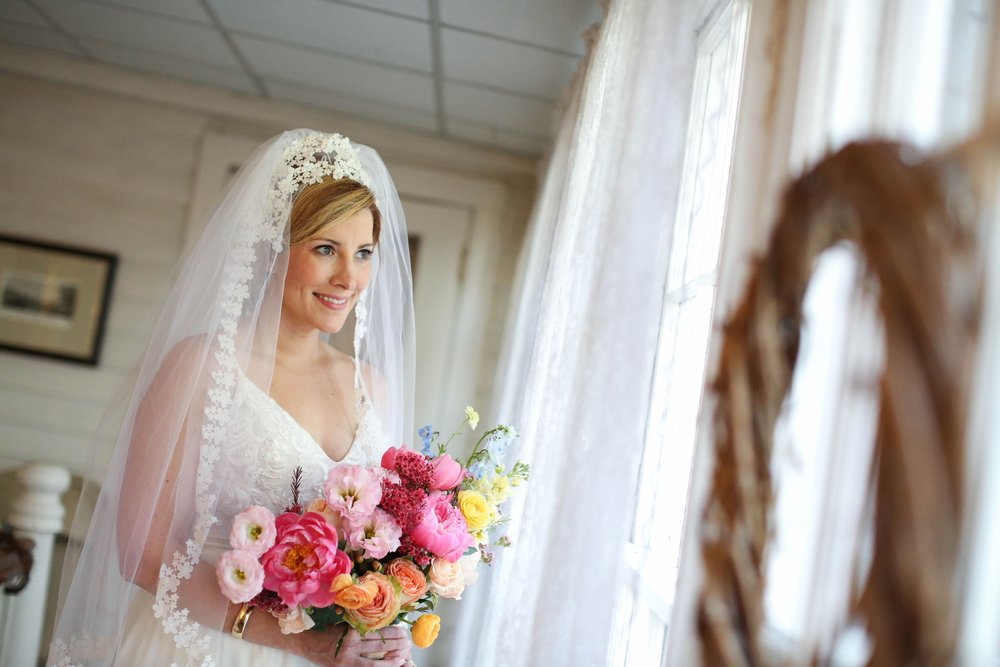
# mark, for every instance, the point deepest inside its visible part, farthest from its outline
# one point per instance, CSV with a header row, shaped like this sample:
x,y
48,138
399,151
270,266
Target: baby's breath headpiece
x,y
306,161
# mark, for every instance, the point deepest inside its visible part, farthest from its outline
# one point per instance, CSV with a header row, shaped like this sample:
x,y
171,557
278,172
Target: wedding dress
x,y
263,448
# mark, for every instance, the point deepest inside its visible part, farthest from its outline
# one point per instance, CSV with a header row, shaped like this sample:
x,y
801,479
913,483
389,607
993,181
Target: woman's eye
x,y
364,254
325,249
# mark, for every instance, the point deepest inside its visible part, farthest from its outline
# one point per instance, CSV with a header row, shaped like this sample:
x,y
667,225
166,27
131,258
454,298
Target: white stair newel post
x,y
37,514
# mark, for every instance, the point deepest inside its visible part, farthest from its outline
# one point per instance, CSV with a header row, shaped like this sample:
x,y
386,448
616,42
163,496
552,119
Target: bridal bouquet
x,y
382,544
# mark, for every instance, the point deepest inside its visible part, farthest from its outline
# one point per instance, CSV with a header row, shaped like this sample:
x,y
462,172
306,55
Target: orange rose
x,y
383,607
425,630
355,596
411,579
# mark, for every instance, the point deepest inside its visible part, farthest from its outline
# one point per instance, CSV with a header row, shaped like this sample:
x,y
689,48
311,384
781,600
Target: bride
x,y
239,388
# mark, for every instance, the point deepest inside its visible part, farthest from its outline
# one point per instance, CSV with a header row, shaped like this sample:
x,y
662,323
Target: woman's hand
x,y
389,647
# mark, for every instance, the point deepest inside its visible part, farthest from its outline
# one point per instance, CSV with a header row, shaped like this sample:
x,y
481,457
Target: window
x,y
679,375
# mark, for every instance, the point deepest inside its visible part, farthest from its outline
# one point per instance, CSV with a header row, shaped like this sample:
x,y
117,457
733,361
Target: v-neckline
x,y
292,420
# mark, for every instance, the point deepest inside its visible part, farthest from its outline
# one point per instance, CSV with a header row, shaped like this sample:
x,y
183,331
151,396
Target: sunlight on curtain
x,y
643,610
579,362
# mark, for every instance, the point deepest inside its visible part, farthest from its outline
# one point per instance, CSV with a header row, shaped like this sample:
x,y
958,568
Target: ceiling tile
x,y
233,79
356,79
29,35
555,24
340,29
514,141
182,9
497,110
127,27
418,9
363,108
513,67
19,12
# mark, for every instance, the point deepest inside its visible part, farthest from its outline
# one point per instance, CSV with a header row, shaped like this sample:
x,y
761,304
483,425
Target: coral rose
x,y
448,473
383,608
355,596
302,566
474,508
412,581
425,630
447,579
320,506
295,620
441,528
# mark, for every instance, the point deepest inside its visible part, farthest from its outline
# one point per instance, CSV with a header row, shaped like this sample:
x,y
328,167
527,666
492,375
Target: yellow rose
x,y
474,508
426,630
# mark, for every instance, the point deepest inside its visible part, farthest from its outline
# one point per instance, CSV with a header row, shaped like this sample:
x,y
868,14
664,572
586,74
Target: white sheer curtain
x,y
578,365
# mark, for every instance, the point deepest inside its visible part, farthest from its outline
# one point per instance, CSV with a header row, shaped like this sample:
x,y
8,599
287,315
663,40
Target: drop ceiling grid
x,y
499,70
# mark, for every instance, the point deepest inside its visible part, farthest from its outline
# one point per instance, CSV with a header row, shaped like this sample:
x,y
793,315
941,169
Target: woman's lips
x,y
333,302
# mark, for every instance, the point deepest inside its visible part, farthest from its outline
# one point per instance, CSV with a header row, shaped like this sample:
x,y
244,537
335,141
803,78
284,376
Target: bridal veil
x,y
221,317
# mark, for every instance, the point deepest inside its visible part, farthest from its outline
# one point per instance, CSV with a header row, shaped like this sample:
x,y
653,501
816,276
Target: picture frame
x,y
54,299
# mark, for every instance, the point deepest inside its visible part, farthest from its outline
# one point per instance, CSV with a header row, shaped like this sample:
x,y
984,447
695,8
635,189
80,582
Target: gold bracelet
x,y
242,618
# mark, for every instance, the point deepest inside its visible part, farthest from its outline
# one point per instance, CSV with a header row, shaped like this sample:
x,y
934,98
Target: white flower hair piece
x,y
309,160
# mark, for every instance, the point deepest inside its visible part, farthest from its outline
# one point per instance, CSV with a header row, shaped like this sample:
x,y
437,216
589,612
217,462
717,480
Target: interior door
x,y
439,234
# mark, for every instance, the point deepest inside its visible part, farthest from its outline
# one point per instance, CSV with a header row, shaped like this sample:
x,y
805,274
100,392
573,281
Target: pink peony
x,y
442,529
253,531
448,473
353,490
303,563
378,534
240,575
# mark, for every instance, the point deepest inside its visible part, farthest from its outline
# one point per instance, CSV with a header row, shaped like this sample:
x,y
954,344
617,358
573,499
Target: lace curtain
x,y
580,348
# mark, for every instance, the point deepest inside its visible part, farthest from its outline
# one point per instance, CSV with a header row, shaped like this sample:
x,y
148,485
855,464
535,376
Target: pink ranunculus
x,y
377,534
389,458
240,575
303,563
253,531
353,490
448,473
442,529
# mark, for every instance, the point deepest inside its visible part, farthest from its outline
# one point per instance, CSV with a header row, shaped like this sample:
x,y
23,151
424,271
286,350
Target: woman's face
x,y
326,274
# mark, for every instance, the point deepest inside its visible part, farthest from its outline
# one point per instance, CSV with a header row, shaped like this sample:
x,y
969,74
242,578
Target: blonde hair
x,y
330,201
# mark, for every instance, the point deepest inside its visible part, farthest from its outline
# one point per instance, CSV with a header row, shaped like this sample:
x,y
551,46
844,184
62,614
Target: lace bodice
x,y
265,444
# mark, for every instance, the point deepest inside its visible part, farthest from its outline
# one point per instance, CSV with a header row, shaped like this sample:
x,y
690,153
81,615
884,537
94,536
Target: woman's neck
x,y
295,349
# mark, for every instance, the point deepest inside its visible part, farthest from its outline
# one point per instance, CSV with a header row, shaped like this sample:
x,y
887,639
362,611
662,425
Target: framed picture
x,y
54,299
